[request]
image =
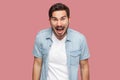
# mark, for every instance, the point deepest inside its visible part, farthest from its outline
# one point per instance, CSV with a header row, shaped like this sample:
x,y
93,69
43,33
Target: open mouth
x,y
59,28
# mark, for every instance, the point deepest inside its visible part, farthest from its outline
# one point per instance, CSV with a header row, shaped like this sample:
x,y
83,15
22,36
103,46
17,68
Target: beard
x,y
58,29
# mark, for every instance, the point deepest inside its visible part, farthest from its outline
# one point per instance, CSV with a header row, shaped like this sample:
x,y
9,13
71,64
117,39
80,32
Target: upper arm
x,y
84,50
84,62
37,47
37,61
37,66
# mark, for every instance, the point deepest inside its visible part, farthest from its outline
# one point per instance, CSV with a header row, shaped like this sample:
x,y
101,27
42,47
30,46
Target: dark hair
x,y
57,7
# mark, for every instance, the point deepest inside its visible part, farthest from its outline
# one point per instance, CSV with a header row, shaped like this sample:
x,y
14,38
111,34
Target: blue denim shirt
x,y
76,50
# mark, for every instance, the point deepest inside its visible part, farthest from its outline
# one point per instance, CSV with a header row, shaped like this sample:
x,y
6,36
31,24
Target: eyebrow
x,y
61,17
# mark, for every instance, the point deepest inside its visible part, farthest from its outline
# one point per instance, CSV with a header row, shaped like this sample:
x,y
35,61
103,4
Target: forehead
x,y
59,14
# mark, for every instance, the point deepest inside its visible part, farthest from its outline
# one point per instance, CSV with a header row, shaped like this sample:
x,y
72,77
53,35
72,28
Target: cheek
x,y
66,22
53,23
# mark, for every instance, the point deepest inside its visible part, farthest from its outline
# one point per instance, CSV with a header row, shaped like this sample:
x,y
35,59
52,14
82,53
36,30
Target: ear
x,y
49,19
69,19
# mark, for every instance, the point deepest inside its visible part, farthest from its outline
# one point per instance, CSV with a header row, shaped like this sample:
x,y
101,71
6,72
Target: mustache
x,y
59,27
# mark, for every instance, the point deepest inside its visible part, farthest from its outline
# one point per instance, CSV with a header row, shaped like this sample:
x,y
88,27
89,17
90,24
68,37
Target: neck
x,y
60,37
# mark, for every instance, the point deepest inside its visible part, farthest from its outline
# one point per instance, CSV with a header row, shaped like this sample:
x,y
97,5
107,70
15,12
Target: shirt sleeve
x,y
84,50
36,48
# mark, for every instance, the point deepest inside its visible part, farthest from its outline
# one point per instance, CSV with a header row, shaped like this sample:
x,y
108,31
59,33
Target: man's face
x,y
59,23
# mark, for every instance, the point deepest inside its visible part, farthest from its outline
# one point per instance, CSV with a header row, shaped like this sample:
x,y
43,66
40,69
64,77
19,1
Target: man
x,y
59,50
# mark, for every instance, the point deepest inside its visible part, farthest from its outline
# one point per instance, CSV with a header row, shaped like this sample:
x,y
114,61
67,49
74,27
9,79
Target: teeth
x,y
59,28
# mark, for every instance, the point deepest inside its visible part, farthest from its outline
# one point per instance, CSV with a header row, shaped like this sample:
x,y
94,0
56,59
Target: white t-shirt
x,y
57,60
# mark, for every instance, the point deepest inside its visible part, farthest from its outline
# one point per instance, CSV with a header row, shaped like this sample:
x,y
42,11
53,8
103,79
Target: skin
x,y
84,67
59,23
37,66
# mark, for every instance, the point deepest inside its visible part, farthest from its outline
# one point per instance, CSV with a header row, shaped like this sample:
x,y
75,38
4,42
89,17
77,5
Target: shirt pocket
x,y
74,57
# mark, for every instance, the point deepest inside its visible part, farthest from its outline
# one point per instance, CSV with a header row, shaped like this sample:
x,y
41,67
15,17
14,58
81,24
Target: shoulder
x,y
76,34
42,35
43,32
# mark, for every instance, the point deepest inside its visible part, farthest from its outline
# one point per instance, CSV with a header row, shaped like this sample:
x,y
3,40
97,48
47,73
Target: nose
x,y
59,23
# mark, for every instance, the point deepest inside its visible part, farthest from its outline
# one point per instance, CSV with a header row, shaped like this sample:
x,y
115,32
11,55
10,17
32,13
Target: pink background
x,y
98,20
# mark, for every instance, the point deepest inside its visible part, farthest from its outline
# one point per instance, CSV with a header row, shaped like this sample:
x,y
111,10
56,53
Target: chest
x,y
57,53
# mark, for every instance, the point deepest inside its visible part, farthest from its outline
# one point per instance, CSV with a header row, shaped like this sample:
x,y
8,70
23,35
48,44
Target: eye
x,y
63,18
54,19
